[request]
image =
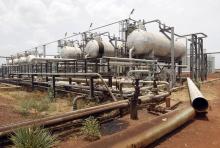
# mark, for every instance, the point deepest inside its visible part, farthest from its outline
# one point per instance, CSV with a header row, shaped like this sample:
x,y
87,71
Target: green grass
x,y
36,105
91,129
33,138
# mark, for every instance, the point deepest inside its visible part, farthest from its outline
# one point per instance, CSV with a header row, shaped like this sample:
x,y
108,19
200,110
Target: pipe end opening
x,y
200,104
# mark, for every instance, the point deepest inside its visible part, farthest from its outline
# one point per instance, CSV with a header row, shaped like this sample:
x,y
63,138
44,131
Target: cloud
x,y
27,23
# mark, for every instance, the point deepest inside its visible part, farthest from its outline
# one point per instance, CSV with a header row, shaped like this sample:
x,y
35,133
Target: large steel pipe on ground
x,y
198,101
67,116
73,114
147,132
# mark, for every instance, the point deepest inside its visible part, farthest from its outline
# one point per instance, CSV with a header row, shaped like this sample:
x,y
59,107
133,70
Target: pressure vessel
x,y
30,58
15,61
96,49
69,52
9,62
22,60
145,43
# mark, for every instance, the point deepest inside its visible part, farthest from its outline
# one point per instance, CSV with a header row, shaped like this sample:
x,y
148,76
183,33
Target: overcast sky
x,y
27,23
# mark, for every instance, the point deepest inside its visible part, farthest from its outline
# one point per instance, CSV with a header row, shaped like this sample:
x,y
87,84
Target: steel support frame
x,y
198,59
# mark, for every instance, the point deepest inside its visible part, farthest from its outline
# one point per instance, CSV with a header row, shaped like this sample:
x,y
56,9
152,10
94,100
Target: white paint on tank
x,y
9,62
92,49
22,60
69,52
30,58
15,61
145,43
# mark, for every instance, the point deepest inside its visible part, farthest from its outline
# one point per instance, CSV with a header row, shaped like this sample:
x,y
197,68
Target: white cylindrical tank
x,y
9,62
96,49
145,43
15,61
30,58
69,52
22,60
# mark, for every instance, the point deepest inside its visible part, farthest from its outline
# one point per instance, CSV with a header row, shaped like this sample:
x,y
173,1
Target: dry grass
x,y
36,103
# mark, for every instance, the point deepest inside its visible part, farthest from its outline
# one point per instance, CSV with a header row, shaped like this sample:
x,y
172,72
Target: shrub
x,y
91,129
33,138
33,104
25,106
50,93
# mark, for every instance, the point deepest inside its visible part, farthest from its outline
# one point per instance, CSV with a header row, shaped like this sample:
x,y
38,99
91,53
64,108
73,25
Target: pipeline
x,y
198,101
66,117
152,98
72,115
73,74
146,133
75,101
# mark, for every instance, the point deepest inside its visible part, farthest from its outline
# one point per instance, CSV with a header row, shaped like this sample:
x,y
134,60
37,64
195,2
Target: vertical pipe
x,y
85,64
70,81
32,82
130,56
134,101
46,70
206,66
91,88
64,67
44,51
172,75
196,58
202,58
53,86
110,81
2,71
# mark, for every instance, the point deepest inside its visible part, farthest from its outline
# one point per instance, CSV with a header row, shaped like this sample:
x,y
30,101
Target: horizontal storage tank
x,y
145,43
30,58
68,52
96,49
22,60
15,61
9,61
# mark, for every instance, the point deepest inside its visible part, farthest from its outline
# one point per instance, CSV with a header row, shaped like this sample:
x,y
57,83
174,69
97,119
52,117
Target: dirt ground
x,y
201,132
7,112
198,133
11,102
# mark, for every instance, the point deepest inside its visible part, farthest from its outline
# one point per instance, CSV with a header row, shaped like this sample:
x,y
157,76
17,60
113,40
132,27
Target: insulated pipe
x,y
198,101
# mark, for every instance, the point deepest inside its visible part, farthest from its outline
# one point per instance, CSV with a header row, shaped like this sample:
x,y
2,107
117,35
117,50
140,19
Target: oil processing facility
x,y
135,49
135,67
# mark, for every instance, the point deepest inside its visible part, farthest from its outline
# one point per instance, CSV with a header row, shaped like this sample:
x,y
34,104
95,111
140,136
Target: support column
x,y
32,82
70,80
91,88
53,86
134,102
173,72
44,51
